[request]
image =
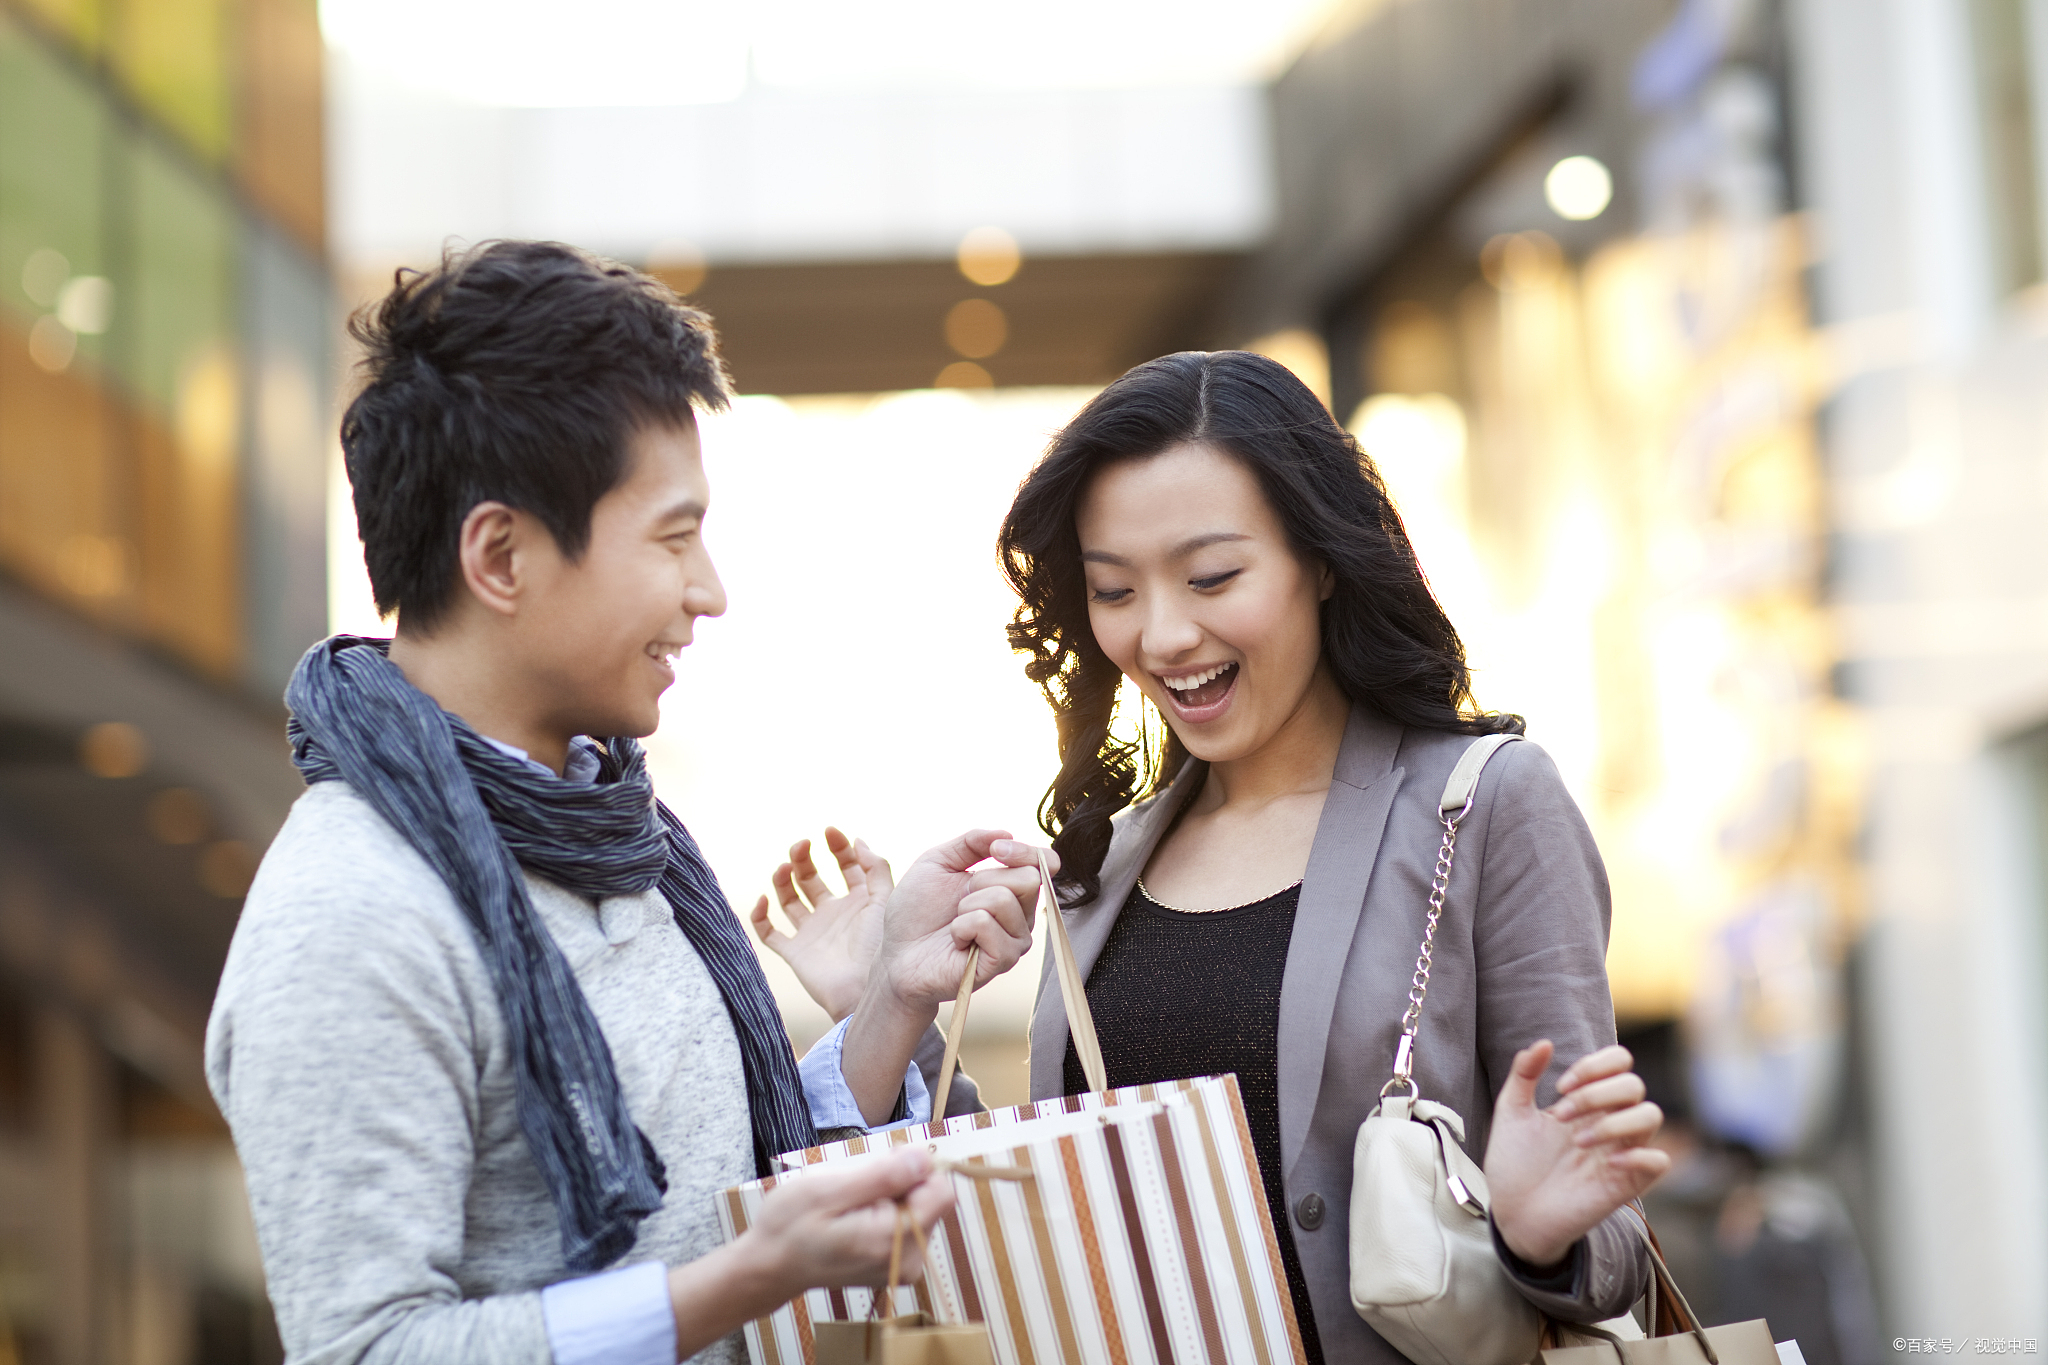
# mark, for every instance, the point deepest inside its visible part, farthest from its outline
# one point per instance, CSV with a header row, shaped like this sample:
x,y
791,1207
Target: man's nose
x,y
706,594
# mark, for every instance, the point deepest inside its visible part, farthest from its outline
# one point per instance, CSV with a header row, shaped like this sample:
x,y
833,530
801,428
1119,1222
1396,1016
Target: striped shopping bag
x,y
1139,1233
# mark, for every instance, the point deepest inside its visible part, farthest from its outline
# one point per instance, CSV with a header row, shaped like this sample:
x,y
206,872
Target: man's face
x,y
598,635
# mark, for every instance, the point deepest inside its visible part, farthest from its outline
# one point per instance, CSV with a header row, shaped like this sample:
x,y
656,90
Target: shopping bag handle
x,y
1073,994
1073,990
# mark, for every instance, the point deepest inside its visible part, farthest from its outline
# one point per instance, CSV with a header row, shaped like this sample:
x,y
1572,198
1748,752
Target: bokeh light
x,y
1578,188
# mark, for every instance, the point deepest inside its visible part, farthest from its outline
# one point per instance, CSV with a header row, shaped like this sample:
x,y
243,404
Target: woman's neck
x,y
1300,759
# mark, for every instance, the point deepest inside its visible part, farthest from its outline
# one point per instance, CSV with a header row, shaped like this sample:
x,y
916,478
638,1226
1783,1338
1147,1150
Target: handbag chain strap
x,y
1459,793
1418,985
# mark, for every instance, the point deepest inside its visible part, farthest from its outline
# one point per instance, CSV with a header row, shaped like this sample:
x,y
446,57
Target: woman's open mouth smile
x,y
1203,696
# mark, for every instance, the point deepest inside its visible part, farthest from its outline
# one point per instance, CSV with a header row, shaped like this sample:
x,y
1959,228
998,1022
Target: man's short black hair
x,y
514,372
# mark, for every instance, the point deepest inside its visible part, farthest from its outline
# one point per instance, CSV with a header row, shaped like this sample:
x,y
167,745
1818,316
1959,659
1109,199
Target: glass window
x,y
279,142
2007,116
174,55
84,22
53,138
59,505
181,359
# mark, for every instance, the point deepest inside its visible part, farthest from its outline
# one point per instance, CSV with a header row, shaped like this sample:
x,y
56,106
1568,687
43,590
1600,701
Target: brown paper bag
x,y
1739,1343
910,1340
1676,1337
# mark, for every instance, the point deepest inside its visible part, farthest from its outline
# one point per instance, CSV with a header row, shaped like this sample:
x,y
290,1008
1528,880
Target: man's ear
x,y
493,535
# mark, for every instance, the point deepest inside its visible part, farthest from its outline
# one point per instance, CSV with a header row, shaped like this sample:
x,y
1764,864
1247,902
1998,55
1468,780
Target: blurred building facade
x,y
1730,469
165,383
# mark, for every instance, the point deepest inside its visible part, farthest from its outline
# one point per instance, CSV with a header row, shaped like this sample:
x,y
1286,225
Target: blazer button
x,y
1309,1211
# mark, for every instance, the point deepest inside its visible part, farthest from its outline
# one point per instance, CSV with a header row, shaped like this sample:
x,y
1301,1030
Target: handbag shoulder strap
x,y
1464,779
1452,807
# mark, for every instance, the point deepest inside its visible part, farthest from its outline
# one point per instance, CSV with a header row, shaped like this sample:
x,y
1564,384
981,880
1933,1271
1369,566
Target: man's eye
x,y
1214,580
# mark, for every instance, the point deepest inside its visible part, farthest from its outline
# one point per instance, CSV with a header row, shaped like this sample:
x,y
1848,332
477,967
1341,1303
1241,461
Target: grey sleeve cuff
x,y
1605,1273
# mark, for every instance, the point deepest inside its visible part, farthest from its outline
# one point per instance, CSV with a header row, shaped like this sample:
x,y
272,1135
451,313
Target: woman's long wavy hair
x,y
1388,642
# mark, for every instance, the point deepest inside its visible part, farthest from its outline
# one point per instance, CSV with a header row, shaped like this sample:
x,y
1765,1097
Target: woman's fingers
x,y
1611,1060
1519,1092
1002,905
1647,1164
1020,882
1632,1126
1595,1097
1000,950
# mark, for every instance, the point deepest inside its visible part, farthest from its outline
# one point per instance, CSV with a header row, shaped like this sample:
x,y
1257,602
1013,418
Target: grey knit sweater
x,y
358,1052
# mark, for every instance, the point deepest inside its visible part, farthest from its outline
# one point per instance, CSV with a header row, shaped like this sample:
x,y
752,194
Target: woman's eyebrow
x,y
1204,541
1180,551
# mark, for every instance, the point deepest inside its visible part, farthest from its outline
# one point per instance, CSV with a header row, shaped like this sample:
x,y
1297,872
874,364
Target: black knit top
x,y
1179,994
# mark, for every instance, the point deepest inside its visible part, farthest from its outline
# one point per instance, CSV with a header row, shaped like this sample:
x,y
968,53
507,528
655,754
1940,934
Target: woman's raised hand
x,y
1554,1173
832,938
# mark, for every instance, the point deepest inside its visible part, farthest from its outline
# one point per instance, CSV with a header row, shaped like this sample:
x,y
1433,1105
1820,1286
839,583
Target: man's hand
x,y
1554,1173
832,939
943,909
835,1224
832,1225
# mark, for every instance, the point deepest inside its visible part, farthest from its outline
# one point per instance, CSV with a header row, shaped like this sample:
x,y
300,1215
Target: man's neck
x,y
469,681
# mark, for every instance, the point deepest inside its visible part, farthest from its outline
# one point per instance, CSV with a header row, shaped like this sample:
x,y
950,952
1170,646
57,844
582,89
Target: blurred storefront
x,y
1699,345
165,337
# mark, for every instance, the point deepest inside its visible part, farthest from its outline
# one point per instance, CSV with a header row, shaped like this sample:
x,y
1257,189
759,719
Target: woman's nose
x,y
1168,633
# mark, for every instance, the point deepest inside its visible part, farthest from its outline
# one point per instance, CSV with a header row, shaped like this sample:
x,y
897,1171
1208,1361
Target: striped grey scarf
x,y
477,816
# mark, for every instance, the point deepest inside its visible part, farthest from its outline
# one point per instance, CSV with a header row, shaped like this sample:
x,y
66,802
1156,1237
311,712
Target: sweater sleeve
x,y
343,1054
1540,942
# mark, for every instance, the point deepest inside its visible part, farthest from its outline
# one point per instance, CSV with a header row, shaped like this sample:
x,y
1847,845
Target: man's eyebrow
x,y
1180,551
689,509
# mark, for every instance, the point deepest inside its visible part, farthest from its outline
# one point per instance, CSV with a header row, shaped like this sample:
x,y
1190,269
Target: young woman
x,y
1249,894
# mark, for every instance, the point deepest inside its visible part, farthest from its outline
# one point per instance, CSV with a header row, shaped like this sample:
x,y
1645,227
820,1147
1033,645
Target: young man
x,y
489,1036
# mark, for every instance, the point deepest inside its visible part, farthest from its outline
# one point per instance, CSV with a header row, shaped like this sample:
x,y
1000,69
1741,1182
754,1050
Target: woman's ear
x,y
1326,582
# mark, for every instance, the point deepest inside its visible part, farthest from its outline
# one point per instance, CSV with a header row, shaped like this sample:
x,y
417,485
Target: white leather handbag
x,y
1424,1273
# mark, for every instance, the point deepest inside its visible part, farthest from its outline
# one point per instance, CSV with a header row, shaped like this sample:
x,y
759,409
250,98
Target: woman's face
x,y
1196,595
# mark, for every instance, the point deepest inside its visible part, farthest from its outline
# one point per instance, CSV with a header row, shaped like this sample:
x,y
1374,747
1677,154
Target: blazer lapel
x,y
1340,864
1088,926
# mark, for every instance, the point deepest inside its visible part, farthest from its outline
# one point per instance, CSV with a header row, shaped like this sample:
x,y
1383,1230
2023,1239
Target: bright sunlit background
x,y
533,53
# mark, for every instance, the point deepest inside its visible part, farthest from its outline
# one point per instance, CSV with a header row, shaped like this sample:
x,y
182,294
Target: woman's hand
x,y
1554,1173
946,907
832,939
833,1225
949,904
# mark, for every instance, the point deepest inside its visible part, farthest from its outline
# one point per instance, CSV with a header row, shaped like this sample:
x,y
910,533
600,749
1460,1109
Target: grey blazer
x,y
1519,956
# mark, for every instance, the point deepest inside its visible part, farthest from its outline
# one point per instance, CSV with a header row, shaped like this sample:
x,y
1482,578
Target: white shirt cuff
x,y
832,1103
621,1317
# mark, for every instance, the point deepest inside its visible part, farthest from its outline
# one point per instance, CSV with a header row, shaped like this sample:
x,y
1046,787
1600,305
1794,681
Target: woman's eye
x,y
1214,580
1109,594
